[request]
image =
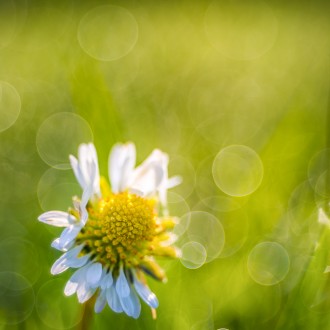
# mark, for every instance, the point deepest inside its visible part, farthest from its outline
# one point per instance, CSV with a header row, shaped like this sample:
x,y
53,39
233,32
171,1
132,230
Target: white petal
x,y
121,164
113,300
147,178
56,244
75,280
62,263
57,218
100,302
76,170
78,262
107,281
70,288
67,236
84,292
173,181
86,169
94,274
167,184
145,293
131,305
122,286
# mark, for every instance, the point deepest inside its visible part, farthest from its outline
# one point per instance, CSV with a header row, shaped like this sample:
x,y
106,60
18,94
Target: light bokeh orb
x,y
268,263
237,170
193,255
59,136
10,105
108,33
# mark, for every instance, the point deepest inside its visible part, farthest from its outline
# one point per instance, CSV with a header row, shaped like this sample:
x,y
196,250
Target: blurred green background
x,y
235,92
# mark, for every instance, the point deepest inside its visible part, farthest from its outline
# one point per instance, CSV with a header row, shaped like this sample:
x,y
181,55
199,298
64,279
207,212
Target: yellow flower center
x,y
120,227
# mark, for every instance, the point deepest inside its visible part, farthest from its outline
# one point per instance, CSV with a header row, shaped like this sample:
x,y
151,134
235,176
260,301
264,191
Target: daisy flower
x,y
114,233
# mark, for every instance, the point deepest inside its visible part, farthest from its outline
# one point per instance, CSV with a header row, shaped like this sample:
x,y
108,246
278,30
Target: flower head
x,y
114,232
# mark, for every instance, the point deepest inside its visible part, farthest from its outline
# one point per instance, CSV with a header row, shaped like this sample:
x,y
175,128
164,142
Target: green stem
x,y
87,314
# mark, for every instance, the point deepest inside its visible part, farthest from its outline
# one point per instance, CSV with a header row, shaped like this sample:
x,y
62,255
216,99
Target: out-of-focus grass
x,y
201,76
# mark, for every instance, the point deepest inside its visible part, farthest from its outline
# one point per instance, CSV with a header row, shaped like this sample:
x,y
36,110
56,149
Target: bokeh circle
x,y
237,170
193,255
17,298
59,136
49,298
108,33
204,229
10,105
56,188
268,263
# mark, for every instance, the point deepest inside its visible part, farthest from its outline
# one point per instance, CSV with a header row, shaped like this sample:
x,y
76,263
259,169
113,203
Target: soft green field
x,y
236,92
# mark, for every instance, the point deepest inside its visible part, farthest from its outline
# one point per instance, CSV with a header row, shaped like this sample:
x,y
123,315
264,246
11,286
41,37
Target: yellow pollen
x,y
120,227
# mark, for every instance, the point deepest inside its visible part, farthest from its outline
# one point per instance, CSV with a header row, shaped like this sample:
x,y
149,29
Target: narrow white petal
x,y
167,184
77,172
84,156
84,292
57,218
173,181
70,288
121,164
62,263
113,300
75,262
94,274
109,281
75,280
86,168
106,281
100,302
148,178
59,266
96,179
67,236
131,305
145,293
122,286
56,244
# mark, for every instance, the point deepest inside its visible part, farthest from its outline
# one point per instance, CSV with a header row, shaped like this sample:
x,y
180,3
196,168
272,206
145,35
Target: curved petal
x,y
56,244
113,300
150,175
67,236
84,292
122,286
75,280
145,293
121,164
106,281
131,304
167,184
94,274
78,262
100,302
147,179
57,218
62,263
86,168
